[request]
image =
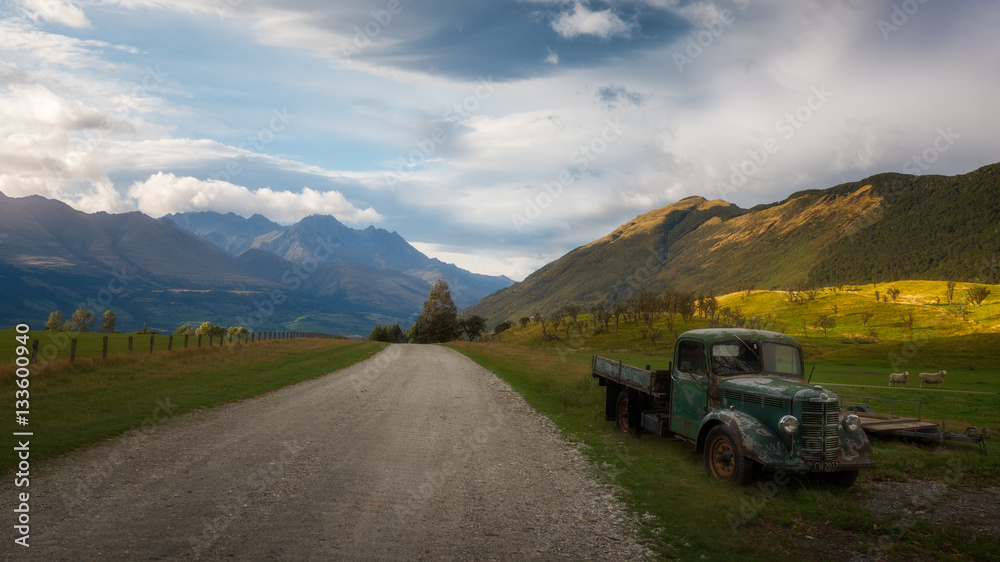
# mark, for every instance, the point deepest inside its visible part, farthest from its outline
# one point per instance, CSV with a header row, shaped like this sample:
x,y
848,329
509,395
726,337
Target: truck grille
x,y
819,431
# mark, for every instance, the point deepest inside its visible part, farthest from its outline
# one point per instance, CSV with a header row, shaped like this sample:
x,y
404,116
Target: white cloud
x,y
36,103
165,193
55,11
582,21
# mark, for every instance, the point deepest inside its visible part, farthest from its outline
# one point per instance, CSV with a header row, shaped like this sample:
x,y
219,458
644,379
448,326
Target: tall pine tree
x,y
439,320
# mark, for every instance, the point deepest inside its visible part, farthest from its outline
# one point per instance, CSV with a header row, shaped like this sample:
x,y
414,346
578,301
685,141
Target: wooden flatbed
x,y
872,422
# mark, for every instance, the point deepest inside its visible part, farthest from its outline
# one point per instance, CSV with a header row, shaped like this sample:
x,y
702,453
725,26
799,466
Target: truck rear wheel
x,y
621,411
723,460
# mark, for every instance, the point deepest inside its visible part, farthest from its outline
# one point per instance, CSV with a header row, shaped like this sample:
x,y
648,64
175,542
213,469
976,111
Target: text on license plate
x,y
828,466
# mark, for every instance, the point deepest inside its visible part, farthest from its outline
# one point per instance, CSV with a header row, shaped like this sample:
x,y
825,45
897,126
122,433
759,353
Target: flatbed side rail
x,y
617,372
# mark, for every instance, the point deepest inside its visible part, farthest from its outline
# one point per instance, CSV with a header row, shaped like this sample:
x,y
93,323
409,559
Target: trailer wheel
x,y
621,411
723,460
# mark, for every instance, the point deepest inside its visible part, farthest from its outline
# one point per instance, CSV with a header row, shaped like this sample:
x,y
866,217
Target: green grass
x,y
688,515
72,405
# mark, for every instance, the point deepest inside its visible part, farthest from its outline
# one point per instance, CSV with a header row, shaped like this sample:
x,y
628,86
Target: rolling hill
x,y
883,228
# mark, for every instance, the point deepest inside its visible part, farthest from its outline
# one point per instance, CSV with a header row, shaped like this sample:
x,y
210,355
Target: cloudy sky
x,y
495,134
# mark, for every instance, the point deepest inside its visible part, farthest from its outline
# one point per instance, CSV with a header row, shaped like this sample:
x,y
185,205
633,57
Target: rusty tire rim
x,y
623,416
722,457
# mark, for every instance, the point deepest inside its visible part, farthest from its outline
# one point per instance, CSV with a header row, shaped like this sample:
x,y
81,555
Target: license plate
x,y
829,466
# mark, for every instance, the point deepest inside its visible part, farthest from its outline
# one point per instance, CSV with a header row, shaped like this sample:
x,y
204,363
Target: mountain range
x,y
883,228
316,275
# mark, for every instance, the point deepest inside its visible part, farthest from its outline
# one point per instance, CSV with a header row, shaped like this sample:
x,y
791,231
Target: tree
x,y
865,317
503,327
893,293
55,321
824,322
82,320
439,320
210,330
184,330
237,332
977,294
472,326
524,321
387,333
951,291
108,323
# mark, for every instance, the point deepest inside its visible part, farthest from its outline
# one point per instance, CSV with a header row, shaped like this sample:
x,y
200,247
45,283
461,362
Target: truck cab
x,y
741,398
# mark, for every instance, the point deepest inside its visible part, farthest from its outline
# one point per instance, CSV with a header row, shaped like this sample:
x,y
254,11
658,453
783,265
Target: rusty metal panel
x,y
626,375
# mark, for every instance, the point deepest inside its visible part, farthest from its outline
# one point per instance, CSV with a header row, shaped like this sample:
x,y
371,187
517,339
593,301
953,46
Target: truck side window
x,y
691,357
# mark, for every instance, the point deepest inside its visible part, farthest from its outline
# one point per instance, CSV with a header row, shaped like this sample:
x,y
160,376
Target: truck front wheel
x,y
621,409
722,458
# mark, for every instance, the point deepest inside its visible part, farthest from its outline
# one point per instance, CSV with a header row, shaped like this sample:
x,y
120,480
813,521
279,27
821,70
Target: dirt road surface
x,y
417,453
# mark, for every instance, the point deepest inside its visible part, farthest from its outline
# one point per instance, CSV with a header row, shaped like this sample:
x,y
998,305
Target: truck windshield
x,y
782,359
736,358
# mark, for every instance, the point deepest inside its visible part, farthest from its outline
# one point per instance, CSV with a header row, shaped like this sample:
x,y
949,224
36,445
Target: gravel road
x,y
417,453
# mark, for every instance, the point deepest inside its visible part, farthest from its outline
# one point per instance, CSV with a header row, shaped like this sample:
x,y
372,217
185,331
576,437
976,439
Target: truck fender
x,y
755,440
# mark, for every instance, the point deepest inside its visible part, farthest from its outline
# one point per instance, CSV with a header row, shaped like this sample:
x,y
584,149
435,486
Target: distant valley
x,y
321,275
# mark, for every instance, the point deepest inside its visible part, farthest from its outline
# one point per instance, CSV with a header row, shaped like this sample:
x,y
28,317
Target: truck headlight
x,y
852,423
789,424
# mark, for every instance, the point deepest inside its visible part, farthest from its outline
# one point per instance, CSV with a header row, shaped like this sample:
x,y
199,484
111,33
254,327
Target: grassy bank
x,y
76,404
687,515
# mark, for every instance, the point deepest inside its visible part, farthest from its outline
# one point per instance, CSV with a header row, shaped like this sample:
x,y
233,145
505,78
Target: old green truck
x,y
741,398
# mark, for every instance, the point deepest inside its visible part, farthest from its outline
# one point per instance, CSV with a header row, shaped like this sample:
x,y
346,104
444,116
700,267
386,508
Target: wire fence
x,y
54,346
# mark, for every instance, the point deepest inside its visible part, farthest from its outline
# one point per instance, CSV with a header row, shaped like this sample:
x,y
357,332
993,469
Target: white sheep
x,y
901,378
932,378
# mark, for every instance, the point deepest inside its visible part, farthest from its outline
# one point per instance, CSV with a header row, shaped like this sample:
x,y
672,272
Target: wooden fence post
x,y
199,340
130,345
185,341
34,351
104,347
151,336
170,342
72,350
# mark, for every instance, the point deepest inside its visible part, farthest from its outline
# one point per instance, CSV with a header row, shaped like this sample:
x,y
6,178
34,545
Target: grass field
x,y
687,515
90,400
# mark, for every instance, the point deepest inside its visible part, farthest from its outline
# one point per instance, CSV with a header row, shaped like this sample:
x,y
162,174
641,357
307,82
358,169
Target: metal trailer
x,y
908,427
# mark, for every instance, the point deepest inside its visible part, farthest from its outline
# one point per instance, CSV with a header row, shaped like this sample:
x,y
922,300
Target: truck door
x,y
688,388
